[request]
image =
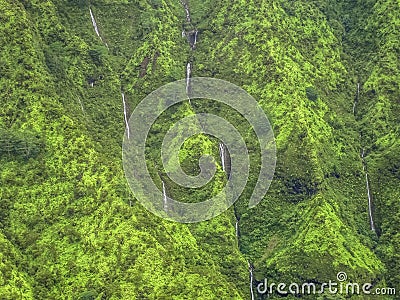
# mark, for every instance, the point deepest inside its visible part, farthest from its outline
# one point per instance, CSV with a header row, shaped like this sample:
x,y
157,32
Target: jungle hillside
x,y
327,75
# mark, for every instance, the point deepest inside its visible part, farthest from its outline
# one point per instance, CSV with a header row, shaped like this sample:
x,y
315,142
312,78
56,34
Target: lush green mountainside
x,y
67,207
325,72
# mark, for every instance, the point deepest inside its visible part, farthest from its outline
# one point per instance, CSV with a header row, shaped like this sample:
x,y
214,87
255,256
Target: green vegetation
x,y
71,229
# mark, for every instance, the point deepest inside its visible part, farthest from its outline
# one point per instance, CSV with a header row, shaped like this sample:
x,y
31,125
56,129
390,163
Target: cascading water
x,y
225,160
125,115
192,36
192,40
371,219
251,268
364,165
165,198
222,156
187,11
96,29
195,37
188,75
237,229
126,119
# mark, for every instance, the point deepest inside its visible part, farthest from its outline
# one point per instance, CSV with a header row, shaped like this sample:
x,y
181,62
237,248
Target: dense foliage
x,y
326,73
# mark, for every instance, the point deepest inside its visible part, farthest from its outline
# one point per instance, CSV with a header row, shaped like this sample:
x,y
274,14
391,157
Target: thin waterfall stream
x,y
165,197
191,36
125,114
222,156
226,165
187,11
251,269
96,28
124,102
371,219
237,229
195,38
188,75
225,160
364,165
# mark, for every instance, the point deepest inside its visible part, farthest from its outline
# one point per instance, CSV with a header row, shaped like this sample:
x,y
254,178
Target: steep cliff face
x,y
325,72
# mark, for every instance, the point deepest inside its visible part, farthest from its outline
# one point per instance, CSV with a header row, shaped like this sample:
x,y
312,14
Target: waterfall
x,y
192,40
364,165
186,7
195,38
125,114
251,280
188,74
237,229
165,198
192,34
96,29
225,160
371,220
187,14
222,155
